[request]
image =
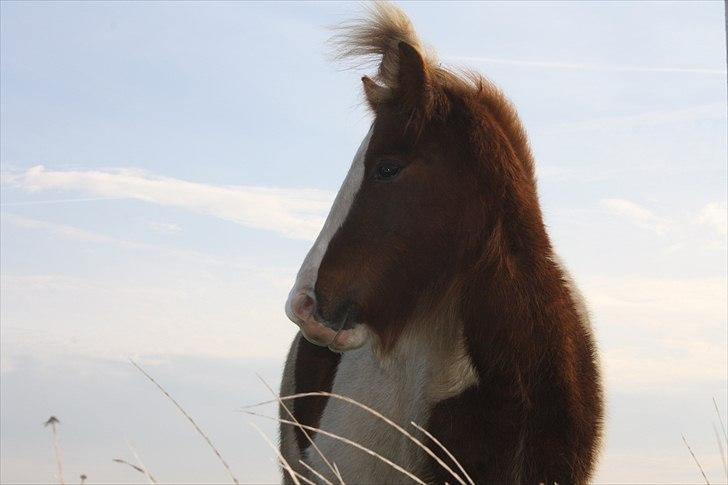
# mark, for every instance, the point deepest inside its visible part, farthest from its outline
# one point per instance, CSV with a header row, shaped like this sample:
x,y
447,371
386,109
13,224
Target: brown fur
x,y
309,369
308,411
464,212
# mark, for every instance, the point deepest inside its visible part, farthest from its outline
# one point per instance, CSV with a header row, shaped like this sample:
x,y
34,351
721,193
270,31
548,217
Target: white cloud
x,y
293,213
64,231
714,215
164,227
212,306
659,333
639,215
57,201
165,309
282,277
716,111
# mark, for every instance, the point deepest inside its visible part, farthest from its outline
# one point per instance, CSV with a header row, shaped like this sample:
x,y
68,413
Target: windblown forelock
x,y
375,38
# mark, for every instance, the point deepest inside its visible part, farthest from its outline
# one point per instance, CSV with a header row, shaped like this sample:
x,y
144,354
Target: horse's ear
x,y
375,93
413,79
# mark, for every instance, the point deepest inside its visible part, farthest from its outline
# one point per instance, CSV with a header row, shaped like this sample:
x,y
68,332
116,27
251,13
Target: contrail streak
x,y
59,201
585,66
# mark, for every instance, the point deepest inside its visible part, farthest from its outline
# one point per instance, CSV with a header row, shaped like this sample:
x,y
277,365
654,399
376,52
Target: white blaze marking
x,y
306,278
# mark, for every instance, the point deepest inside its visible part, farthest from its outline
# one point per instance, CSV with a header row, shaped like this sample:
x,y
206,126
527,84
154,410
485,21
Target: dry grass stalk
x,y
141,463
700,467
338,473
53,422
286,465
722,450
189,418
303,479
442,447
380,416
720,418
318,475
131,465
305,433
140,469
344,440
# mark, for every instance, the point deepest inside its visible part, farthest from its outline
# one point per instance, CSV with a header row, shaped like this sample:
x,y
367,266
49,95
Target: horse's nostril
x,y
304,306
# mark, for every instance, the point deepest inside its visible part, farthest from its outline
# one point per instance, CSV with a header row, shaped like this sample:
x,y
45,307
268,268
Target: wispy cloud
x,y
686,231
65,231
672,323
637,214
281,277
716,111
57,201
586,66
164,227
714,215
222,314
293,213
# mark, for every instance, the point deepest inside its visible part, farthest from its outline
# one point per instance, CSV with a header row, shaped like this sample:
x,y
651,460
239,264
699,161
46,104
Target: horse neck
x,y
517,302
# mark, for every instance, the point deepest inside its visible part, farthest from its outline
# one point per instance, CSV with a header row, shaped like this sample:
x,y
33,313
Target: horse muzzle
x,y
339,336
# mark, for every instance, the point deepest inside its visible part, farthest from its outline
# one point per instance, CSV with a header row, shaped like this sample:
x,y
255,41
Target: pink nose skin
x,y
303,308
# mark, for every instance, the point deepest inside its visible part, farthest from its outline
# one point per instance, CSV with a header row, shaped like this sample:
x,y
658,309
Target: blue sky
x,y
165,167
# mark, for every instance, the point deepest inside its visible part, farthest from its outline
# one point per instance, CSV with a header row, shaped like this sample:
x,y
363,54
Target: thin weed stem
x,y
721,450
318,475
720,418
135,467
53,422
286,466
381,417
700,467
308,437
140,462
442,447
344,440
189,418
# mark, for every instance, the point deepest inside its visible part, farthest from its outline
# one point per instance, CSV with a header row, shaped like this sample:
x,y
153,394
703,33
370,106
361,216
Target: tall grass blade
x,y
317,474
447,452
722,450
380,416
347,441
144,468
720,418
700,467
286,466
130,465
305,433
189,418
53,422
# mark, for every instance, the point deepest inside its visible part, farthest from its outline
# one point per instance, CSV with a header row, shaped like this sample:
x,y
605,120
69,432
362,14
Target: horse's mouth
x,y
339,336
336,340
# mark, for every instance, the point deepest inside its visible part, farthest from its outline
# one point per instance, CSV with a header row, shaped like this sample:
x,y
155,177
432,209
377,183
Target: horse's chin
x,y
342,341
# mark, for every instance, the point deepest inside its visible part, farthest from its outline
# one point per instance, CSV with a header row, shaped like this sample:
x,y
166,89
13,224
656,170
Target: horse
x,y
433,295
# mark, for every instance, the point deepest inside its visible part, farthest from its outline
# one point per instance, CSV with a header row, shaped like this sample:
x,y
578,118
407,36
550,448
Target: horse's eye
x,y
387,170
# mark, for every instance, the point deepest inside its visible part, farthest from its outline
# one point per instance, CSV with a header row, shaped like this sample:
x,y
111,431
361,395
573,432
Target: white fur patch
x,y
428,364
306,278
